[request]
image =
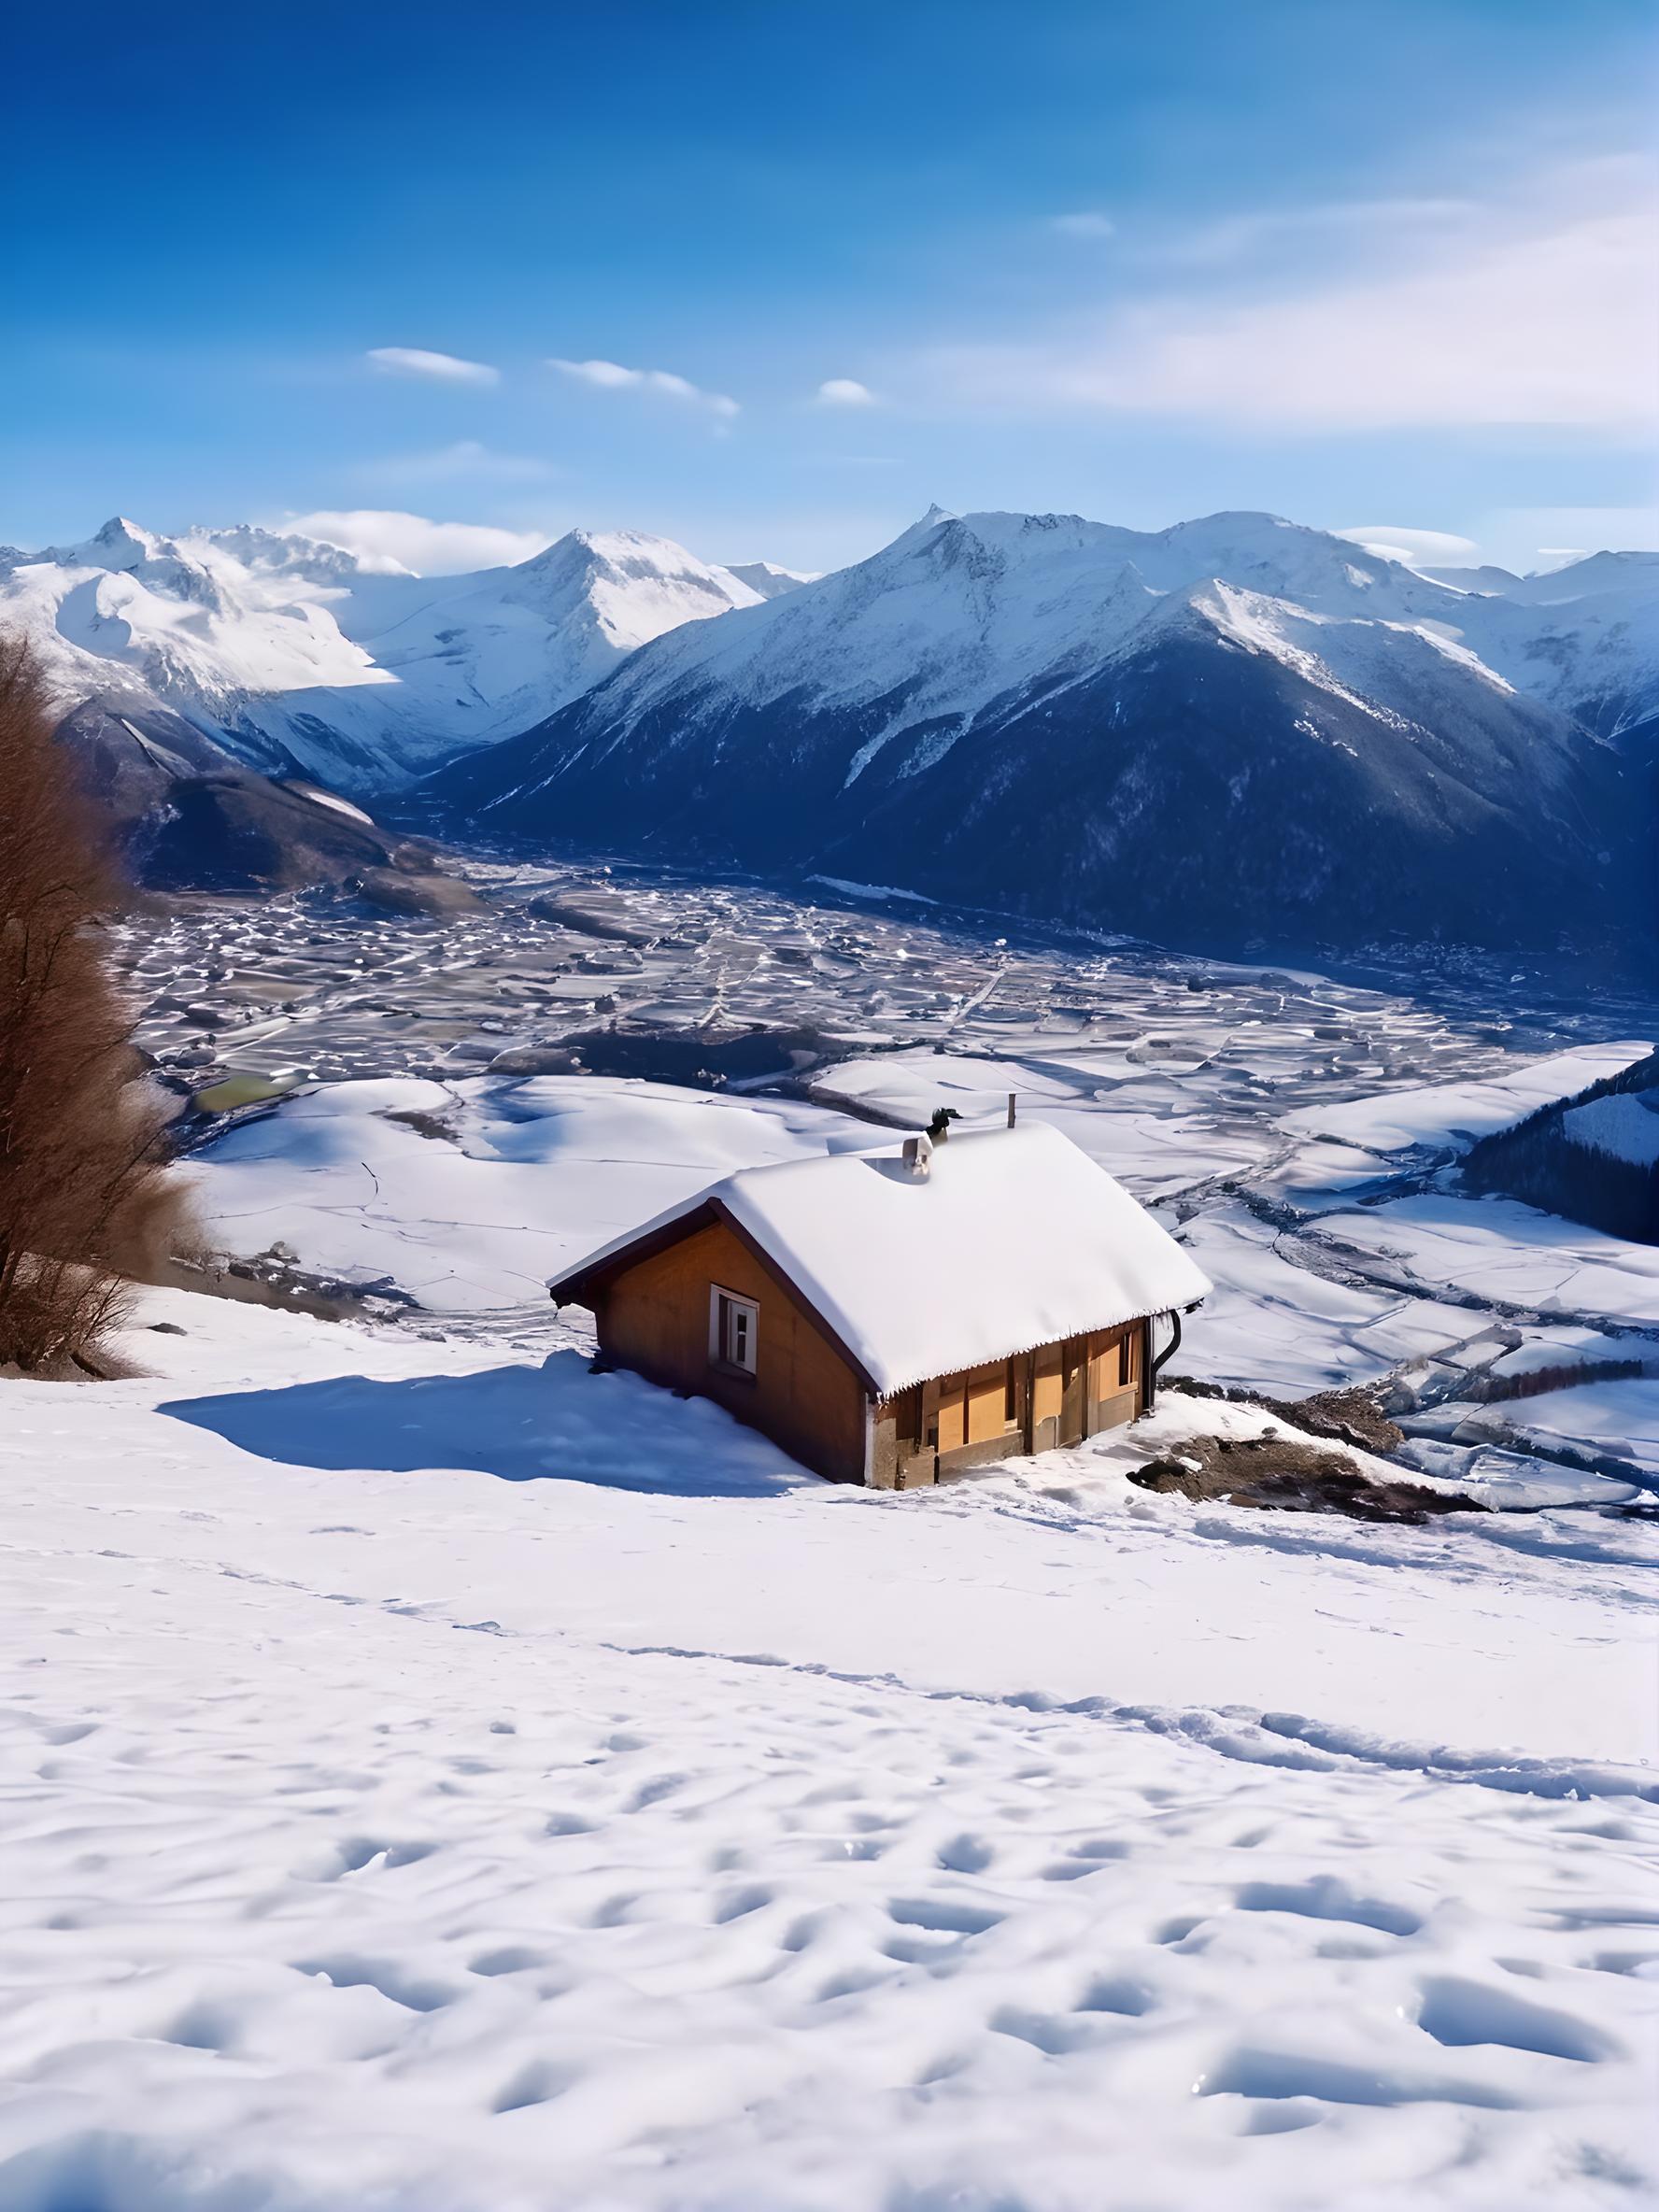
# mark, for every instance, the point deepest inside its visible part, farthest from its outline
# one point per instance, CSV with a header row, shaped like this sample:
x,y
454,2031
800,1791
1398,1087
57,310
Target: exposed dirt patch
x,y
1295,1476
275,1278
1349,1416
433,1126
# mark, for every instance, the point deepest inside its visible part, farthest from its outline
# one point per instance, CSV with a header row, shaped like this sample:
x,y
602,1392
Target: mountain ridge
x,y
1350,750
970,712
302,658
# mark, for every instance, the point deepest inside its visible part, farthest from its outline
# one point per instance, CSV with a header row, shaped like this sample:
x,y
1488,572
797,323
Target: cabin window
x,y
734,1324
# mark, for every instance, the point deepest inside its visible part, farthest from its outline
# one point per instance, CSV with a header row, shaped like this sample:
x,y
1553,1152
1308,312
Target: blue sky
x,y
811,268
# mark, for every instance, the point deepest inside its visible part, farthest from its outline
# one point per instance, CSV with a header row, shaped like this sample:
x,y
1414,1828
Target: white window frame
x,y
727,1344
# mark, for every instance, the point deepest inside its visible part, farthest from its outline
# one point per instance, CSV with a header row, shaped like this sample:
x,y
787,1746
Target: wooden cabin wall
x,y
988,1401
1047,1384
972,1407
1115,1366
1057,1394
654,1317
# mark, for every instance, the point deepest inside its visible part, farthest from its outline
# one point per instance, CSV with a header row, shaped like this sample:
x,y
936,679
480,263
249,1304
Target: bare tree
x,y
85,1193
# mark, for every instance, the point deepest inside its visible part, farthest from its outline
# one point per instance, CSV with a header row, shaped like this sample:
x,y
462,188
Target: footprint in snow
x,y
1326,1898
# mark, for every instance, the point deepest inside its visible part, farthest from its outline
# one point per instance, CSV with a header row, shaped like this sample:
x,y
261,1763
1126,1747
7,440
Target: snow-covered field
x,y
439,1779
489,1189
437,1776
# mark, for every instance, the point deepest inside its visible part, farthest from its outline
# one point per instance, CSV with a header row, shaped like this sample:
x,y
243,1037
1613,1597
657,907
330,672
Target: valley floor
x,y
436,1776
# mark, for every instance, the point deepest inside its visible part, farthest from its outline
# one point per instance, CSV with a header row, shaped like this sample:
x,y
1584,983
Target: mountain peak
x,y
631,554
920,530
122,544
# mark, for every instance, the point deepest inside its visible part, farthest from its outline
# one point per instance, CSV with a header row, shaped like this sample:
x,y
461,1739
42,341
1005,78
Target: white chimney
x,y
918,1153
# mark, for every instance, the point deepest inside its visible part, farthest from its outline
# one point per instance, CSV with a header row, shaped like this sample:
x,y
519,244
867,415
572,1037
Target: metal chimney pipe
x,y
1011,1098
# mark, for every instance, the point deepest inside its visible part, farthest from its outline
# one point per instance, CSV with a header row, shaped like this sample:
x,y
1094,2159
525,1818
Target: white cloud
x,y
383,537
1543,313
1417,548
610,375
441,368
1087,222
845,391
464,461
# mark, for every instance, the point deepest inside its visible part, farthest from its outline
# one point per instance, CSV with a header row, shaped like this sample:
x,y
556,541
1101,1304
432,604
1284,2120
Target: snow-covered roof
x,y
1014,1238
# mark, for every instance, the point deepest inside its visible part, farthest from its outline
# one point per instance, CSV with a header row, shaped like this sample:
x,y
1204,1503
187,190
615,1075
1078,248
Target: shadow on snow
x,y
522,1424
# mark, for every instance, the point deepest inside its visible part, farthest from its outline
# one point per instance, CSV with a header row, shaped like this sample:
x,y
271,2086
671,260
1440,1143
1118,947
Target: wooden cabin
x,y
892,1317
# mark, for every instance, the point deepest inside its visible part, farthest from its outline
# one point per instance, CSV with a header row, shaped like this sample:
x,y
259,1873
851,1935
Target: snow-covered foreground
x,y
435,1777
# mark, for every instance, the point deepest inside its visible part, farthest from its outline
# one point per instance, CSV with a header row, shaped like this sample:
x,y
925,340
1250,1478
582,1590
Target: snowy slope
x,y
442,1779
1626,1127
767,579
298,655
1585,637
1105,725
482,1192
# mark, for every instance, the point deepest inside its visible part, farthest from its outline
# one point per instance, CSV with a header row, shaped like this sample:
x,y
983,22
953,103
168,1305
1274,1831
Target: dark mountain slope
x,y
1192,787
187,816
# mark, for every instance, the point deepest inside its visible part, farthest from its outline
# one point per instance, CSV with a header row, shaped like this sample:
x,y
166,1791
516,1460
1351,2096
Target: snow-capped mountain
x,y
767,580
1585,637
297,657
1235,728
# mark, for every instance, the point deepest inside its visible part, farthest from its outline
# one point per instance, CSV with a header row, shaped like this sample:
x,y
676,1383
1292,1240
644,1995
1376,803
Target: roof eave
x,y
579,1285
573,1288
895,1389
